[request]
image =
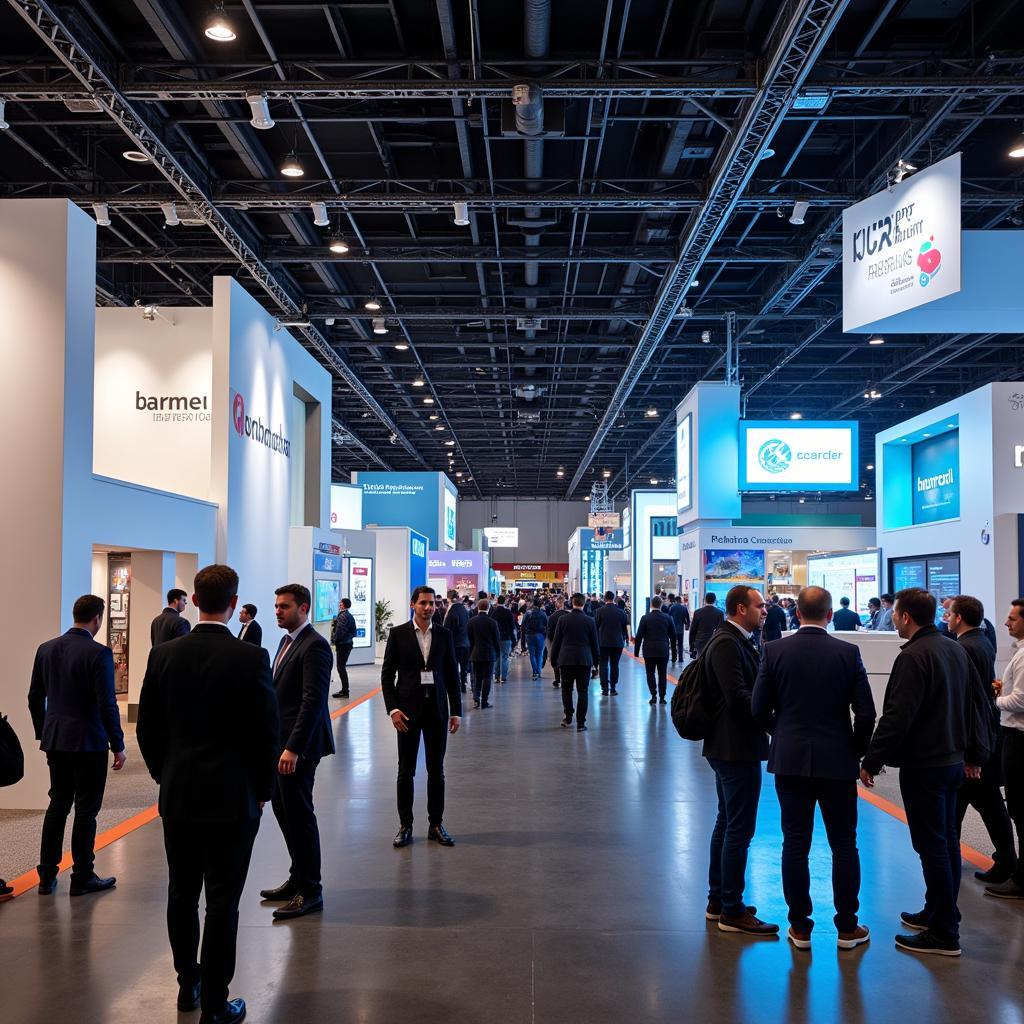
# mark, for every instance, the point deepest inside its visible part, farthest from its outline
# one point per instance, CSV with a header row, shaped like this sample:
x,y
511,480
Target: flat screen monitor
x,y
855,574
812,455
935,471
939,574
326,598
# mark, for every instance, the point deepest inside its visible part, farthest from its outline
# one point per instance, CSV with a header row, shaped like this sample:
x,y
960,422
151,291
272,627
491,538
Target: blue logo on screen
x,y
775,456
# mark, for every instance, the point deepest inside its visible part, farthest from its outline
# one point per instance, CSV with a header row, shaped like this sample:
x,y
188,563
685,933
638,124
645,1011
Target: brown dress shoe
x,y
747,924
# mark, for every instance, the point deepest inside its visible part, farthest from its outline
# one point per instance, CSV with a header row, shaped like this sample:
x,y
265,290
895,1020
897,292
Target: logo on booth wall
x,y
238,414
775,456
929,260
256,430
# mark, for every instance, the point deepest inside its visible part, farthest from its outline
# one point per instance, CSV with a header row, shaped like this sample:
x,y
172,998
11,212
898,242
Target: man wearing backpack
x,y
734,745
343,633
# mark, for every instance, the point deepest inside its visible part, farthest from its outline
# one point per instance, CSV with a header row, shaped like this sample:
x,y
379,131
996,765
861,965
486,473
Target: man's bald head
x,y
814,605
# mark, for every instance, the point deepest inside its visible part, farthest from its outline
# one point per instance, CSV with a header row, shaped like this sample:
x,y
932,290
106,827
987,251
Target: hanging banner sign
x,y
611,520
901,247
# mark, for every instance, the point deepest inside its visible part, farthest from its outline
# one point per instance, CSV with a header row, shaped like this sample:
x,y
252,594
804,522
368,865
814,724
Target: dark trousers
x,y
837,799
577,676
483,672
738,784
76,780
609,665
929,798
659,665
985,797
292,801
674,647
435,741
462,658
1013,781
343,651
215,855
680,646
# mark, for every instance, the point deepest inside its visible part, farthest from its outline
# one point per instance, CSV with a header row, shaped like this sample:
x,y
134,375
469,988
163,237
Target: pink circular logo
x,y
238,414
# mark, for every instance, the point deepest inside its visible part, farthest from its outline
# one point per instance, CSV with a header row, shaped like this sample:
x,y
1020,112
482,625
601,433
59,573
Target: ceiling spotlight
x,y
1016,150
799,211
433,416
372,305
902,170
767,153
802,501
418,382
320,218
695,283
135,156
149,312
654,481
428,400
450,444
102,214
338,245
872,393
796,415
3,118
586,497
218,28
440,426
260,112
559,472
461,213
291,168
705,337
379,327
870,465
329,321
459,473
401,346
877,340
606,473
170,212
651,413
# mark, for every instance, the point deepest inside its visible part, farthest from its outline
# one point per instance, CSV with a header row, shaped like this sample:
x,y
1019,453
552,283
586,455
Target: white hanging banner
x,y
901,247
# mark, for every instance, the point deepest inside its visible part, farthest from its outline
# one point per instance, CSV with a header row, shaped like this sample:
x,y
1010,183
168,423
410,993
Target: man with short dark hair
x,y
302,682
456,621
419,680
485,649
343,635
170,623
845,620
76,721
874,612
706,621
535,626
774,621
679,613
251,631
612,636
575,650
560,612
929,728
885,623
507,630
208,731
652,642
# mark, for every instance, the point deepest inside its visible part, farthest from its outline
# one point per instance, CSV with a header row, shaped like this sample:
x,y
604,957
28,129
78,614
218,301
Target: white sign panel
x,y
502,536
684,461
802,456
346,507
360,573
901,247
609,520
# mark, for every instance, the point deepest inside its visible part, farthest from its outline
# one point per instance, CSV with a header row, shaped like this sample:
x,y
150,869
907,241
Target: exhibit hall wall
x,y
543,524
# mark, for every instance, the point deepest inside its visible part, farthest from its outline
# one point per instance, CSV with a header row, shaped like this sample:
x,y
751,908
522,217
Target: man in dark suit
x,y
75,717
932,731
734,745
343,635
484,651
251,631
456,622
845,620
612,636
706,620
806,687
653,637
419,679
575,650
560,612
208,731
679,613
302,682
774,621
507,629
170,623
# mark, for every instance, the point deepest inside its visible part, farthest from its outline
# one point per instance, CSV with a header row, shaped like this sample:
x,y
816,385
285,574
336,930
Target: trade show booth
x,y
466,572
401,567
513,576
425,502
589,549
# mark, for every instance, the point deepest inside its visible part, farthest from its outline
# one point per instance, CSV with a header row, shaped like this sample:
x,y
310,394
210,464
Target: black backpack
x,y
12,760
690,713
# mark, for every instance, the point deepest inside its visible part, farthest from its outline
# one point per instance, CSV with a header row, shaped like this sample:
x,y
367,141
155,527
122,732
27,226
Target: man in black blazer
x,y
654,635
208,731
575,650
559,613
774,621
456,622
734,745
806,687
170,623
419,679
612,635
845,620
706,621
251,631
484,651
75,717
302,682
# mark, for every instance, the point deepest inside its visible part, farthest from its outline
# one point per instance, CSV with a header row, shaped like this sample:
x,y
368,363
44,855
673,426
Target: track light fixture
x,y
338,245
320,217
260,111
329,322
400,347
136,156
654,481
796,415
379,327
461,213
418,382
876,340
102,214
903,169
651,413
170,212
372,304
799,211
218,28
3,116
1016,149
292,168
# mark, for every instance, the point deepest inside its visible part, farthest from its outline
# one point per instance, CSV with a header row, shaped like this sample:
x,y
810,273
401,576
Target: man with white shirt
x,y
1010,703
419,680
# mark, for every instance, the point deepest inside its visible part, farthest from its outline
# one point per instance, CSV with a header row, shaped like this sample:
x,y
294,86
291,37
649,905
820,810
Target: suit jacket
x,y
302,683
774,623
575,641
71,696
730,669
680,616
168,625
484,639
806,686
253,635
706,619
456,622
208,726
506,622
400,672
846,620
612,626
652,634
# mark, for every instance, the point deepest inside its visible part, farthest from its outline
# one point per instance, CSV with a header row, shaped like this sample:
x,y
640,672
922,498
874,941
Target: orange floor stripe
x,y
30,879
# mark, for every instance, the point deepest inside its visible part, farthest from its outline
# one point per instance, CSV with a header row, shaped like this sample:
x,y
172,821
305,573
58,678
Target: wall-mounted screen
x,y
857,575
502,536
450,518
360,593
732,566
684,463
939,574
326,598
810,455
935,470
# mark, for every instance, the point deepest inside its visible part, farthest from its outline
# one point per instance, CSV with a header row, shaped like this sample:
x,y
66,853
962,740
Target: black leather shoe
x,y
403,837
439,834
662,701
232,1013
486,704
90,885
581,728
6,891
556,683
299,906
566,722
47,886
615,693
995,875
653,700
282,892
188,998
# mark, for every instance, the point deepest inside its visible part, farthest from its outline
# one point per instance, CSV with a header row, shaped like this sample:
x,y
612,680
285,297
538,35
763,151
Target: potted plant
x,y
382,624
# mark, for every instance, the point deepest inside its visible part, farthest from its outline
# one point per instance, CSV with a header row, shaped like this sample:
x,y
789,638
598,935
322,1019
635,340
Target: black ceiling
x,y
547,328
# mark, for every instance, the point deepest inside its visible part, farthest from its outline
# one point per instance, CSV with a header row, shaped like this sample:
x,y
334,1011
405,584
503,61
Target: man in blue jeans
x,y
932,722
734,745
535,625
507,629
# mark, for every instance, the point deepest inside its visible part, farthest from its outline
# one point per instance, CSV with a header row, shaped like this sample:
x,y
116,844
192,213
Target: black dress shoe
x,y
439,834
615,693
995,875
476,704
566,722
188,997
653,700
299,906
662,701
485,704
90,885
232,1013
282,892
47,886
581,728
403,837
6,891
556,683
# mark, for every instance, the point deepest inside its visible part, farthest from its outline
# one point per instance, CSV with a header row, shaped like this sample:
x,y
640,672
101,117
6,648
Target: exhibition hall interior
x,y
515,510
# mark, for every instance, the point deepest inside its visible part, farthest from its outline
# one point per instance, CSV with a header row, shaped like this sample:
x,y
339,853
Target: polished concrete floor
x,y
575,893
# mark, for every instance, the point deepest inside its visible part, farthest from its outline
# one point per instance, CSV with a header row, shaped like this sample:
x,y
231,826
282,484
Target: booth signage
x,y
417,559
326,563
359,573
502,536
819,455
506,567
256,430
935,467
609,520
684,463
901,247
445,563
329,549
450,513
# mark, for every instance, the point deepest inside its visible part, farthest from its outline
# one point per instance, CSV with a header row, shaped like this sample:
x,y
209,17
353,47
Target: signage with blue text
x,y
935,473
812,455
